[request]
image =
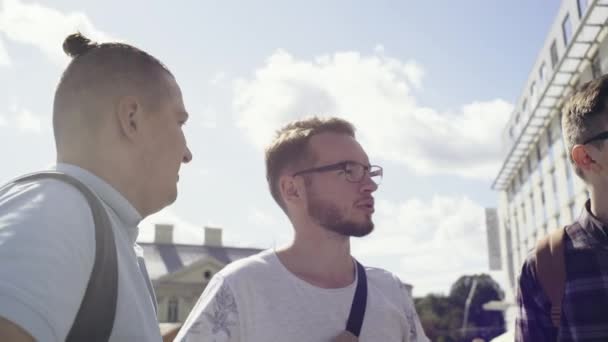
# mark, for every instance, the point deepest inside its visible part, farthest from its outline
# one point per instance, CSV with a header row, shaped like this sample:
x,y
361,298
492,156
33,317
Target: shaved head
x,y
98,76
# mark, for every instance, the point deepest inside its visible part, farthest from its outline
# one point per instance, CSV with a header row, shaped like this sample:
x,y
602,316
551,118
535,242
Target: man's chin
x,y
363,232
352,230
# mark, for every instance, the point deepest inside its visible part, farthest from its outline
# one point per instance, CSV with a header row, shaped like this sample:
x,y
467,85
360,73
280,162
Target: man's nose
x,y
368,184
187,156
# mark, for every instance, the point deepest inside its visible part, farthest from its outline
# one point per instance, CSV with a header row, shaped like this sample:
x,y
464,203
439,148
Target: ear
x,y
128,113
291,188
584,160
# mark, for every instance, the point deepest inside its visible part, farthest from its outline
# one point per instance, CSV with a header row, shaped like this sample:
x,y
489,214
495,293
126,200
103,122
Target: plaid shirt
x,y
585,303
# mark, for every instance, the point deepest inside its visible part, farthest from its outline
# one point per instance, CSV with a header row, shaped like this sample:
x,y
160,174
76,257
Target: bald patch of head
x,y
96,80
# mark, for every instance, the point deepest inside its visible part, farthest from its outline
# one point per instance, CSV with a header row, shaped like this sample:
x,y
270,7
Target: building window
x,y
582,7
554,190
532,166
570,181
554,56
573,211
172,310
542,73
524,108
532,218
550,144
596,66
556,130
532,89
539,157
567,30
542,200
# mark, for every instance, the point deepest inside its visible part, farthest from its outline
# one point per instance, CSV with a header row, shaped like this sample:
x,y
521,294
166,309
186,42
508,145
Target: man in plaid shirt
x,y
584,314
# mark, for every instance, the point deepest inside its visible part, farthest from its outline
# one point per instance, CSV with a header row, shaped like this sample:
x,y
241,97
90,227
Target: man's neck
x,y
110,172
322,260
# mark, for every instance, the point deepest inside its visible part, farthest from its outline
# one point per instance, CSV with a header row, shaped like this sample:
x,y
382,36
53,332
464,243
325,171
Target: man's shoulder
x,y
47,203
384,279
253,264
43,191
44,241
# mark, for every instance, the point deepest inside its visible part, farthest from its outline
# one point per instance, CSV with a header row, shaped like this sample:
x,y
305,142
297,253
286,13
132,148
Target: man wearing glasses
x,y
322,179
579,311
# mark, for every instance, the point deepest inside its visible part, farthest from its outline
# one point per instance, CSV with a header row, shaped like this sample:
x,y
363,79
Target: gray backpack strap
x,y
95,318
551,271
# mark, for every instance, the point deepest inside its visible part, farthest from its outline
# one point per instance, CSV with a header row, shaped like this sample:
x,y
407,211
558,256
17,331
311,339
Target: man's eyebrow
x,y
356,162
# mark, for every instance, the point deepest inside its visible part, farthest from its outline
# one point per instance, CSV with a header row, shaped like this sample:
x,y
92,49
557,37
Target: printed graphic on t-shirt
x,y
223,307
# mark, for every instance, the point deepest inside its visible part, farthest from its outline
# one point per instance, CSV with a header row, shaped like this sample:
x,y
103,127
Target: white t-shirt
x,y
47,249
258,299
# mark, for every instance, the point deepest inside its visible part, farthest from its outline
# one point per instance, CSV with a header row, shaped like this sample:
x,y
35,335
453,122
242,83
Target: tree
x,y
482,323
440,319
442,316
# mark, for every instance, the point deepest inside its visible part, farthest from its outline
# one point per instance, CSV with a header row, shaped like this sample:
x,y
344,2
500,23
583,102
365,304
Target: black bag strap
x,y
357,309
95,318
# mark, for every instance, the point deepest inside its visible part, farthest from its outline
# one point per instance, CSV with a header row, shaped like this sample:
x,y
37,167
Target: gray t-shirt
x,y
258,299
47,247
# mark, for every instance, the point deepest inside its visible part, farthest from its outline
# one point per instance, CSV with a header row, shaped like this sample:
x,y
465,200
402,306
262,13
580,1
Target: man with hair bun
x,y
70,267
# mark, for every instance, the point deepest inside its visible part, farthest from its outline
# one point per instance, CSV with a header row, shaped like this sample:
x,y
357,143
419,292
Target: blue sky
x,y
430,85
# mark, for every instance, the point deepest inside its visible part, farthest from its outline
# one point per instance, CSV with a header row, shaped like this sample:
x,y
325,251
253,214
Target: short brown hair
x,y
585,115
290,149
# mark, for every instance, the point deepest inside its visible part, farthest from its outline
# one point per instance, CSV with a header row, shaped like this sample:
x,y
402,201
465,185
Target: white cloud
x,y
207,118
5,59
45,27
28,122
375,93
432,243
261,232
218,78
379,49
261,218
24,121
184,232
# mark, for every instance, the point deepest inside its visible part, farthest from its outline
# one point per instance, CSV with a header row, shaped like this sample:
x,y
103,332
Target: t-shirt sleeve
x,y
215,316
415,332
46,256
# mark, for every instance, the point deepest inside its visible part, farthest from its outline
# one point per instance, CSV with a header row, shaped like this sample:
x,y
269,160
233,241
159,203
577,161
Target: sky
x,y
429,85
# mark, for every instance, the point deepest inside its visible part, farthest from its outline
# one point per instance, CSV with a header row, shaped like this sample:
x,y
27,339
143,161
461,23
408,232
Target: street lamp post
x,y
467,305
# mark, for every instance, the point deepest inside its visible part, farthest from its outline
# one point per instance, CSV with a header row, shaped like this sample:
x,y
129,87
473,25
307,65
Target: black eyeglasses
x,y
601,136
355,171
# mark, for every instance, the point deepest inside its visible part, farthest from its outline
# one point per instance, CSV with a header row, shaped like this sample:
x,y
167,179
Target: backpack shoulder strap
x,y
551,271
95,317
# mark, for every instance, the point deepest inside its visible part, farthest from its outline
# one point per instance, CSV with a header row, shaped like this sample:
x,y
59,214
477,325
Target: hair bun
x,y
76,45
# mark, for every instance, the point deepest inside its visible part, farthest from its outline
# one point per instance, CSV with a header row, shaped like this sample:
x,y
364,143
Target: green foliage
x,y
442,316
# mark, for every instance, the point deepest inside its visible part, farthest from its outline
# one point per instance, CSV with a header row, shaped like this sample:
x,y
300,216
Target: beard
x,y
329,216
